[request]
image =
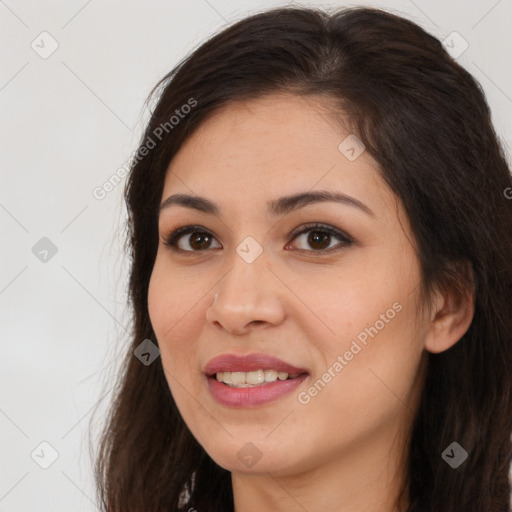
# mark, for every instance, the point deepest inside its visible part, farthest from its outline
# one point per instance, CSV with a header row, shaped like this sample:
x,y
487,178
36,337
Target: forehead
x,y
272,146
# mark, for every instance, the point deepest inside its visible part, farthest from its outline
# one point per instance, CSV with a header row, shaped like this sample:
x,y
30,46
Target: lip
x,y
248,363
252,396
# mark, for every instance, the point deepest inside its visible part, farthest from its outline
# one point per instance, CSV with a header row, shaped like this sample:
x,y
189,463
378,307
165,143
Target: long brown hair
x,y
426,122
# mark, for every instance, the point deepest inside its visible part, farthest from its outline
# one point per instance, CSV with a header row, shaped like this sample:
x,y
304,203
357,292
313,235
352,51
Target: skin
x,y
343,451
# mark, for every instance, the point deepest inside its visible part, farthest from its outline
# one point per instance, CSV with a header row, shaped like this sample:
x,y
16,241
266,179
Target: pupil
x,y
315,235
198,236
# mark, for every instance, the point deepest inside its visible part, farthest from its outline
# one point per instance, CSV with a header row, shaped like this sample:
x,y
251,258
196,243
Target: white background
x,y
68,123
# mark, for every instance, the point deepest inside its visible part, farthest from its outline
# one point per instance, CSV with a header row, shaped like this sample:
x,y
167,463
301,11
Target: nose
x,y
248,295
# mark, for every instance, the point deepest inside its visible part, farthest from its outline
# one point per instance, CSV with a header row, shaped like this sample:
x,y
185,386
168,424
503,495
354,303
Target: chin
x,y
252,460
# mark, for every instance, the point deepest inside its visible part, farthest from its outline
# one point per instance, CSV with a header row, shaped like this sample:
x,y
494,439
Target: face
x,y
337,301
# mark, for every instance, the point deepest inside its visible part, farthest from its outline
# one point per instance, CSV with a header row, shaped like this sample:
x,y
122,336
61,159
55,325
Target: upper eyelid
x,y
188,229
309,226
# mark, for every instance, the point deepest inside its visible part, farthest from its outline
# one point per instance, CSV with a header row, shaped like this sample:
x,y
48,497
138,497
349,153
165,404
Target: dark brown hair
x,y
426,122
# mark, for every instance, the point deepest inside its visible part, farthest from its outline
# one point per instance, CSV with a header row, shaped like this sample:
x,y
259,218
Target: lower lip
x,y
257,395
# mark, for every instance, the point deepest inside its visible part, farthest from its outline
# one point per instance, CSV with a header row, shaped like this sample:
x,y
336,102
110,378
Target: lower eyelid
x,y
341,244
344,240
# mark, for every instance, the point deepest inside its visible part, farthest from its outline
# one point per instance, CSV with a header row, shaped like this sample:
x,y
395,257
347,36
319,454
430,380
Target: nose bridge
x,y
248,268
248,292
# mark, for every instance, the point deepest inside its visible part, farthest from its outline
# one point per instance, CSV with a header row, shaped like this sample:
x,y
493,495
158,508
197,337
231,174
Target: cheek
x,y
159,301
358,306
373,385
168,300
173,309
371,317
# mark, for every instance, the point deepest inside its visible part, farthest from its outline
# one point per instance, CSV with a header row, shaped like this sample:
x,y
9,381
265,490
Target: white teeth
x,y
257,377
270,375
254,378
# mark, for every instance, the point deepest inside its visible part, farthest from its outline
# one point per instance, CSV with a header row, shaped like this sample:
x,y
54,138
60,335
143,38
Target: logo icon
x,y
44,45
44,455
44,250
351,147
249,249
454,455
455,44
146,352
249,454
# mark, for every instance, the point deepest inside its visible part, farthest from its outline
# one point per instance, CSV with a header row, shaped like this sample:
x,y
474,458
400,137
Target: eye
x,y
319,235
199,241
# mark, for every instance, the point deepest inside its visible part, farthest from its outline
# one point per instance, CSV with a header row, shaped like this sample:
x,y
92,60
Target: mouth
x,y
252,369
245,395
251,380
255,378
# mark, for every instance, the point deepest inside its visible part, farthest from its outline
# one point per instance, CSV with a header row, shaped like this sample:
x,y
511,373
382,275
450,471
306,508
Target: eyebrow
x,y
276,207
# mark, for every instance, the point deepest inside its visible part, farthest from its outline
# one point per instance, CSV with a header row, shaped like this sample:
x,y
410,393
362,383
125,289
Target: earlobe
x,y
450,319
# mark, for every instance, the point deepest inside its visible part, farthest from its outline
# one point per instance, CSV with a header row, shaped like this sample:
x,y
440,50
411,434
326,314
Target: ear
x,y
452,312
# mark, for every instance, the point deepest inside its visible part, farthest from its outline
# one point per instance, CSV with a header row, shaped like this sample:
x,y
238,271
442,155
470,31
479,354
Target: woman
x,y
321,248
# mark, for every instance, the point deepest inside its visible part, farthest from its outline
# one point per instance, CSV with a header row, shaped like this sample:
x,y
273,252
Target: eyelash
x,y
172,239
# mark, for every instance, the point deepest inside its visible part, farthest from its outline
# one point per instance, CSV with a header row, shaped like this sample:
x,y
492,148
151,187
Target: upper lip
x,y
247,363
